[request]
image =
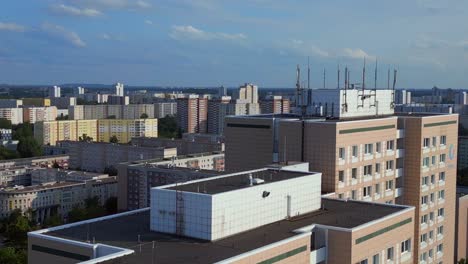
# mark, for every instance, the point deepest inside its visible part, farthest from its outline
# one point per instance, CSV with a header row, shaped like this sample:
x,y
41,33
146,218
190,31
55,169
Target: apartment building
x,y
163,109
17,175
10,103
48,133
14,115
136,178
185,146
407,159
462,152
192,113
275,105
131,111
54,91
97,156
36,102
63,102
59,198
39,114
119,89
218,109
461,225
126,129
118,100
281,208
45,161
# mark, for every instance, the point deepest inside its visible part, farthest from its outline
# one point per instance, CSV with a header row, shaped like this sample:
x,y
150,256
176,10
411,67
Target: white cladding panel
x,y
212,217
245,209
332,103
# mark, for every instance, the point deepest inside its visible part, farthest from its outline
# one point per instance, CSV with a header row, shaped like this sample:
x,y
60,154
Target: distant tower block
x,y
119,89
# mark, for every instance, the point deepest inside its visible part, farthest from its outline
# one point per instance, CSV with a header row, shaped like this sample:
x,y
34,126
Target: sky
x,y
208,43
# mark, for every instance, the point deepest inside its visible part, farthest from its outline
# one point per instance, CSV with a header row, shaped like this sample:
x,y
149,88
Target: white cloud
x,y
356,54
192,33
75,11
106,36
12,27
63,34
306,48
149,22
113,4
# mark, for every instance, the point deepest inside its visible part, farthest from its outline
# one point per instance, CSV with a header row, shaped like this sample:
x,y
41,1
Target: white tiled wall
x,y
213,217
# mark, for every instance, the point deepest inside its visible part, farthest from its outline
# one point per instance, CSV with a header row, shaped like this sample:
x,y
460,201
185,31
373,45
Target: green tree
x,y
28,147
462,261
167,127
114,139
53,220
5,123
85,137
111,205
62,117
7,154
16,231
76,214
144,115
11,255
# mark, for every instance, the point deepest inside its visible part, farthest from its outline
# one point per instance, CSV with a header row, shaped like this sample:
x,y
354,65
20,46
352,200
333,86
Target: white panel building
x,y
256,198
351,103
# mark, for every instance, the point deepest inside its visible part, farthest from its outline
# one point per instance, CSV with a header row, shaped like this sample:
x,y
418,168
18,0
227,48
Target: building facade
x,y
192,114
39,114
14,115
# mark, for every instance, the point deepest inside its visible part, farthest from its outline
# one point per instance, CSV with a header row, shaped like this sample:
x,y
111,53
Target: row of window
x,y
430,235
427,141
430,254
368,149
431,197
432,162
390,256
425,179
430,217
368,170
367,191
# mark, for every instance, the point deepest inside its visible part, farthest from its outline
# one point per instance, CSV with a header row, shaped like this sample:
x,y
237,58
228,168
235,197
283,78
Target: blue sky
x,y
221,42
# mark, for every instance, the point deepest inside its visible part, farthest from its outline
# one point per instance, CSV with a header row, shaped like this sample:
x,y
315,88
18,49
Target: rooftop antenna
x,y
393,88
364,76
324,77
388,78
338,86
300,91
375,75
345,105
308,72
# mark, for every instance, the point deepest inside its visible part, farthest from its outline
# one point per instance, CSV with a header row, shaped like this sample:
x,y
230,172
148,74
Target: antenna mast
x,y
338,86
324,77
364,77
308,73
388,78
375,75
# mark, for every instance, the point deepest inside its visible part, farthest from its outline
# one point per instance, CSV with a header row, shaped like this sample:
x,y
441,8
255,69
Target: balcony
x,y
400,133
400,153
398,172
398,192
318,255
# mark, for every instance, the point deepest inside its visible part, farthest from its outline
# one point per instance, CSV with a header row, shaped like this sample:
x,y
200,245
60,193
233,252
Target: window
x,y
441,195
354,173
353,194
406,246
434,141
440,230
368,148
432,179
355,151
441,212
390,145
431,235
342,153
433,160
367,191
431,216
440,248
424,200
389,165
340,196
377,168
341,176
423,238
442,176
377,188
424,219
442,158
378,147
425,180
426,142
390,253
423,257
443,140
430,253
389,185
376,259
363,262
431,197
368,170
426,162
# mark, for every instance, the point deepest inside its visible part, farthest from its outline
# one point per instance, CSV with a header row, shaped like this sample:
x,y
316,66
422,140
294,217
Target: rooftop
x,y
237,181
338,213
52,185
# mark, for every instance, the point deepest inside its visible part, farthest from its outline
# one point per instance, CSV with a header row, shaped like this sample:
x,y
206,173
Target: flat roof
x,y
237,181
174,249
